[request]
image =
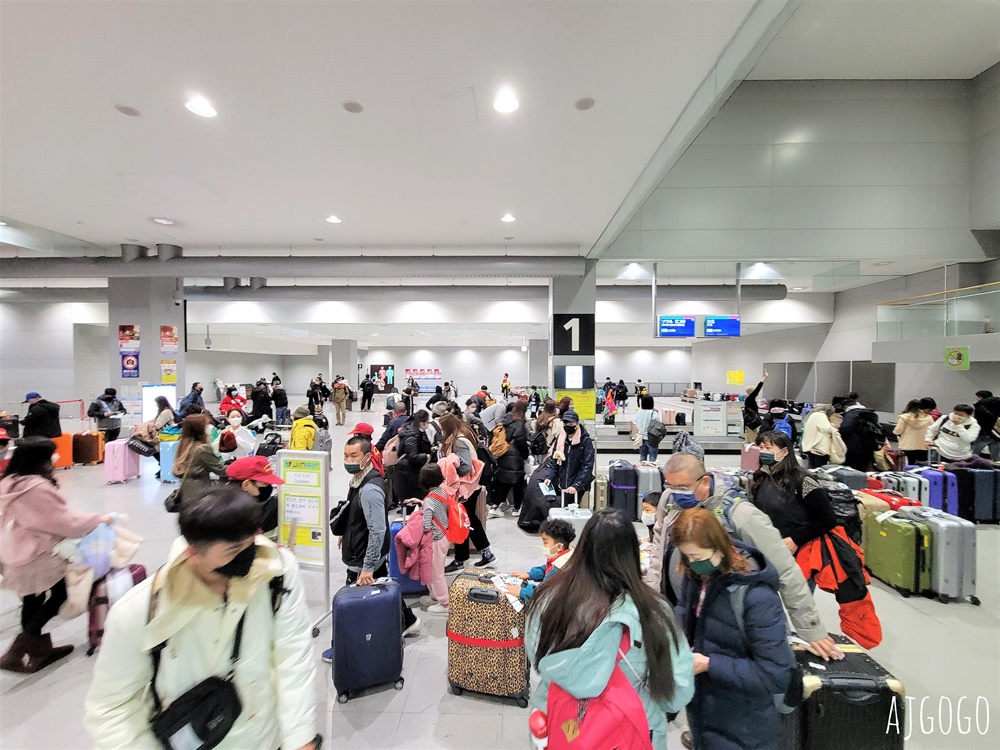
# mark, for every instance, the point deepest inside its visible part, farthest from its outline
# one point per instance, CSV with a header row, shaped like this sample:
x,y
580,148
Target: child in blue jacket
x,y
557,536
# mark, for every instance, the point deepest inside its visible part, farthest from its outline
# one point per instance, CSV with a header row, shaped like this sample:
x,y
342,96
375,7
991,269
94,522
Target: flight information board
x,y
673,326
722,325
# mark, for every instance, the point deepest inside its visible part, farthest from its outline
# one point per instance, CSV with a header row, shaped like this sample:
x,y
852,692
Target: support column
x,y
538,364
572,306
344,360
148,304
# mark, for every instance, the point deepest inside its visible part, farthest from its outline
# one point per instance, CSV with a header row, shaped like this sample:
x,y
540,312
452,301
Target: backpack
x,y
391,453
499,445
390,401
459,524
655,433
615,718
323,441
784,426
489,465
684,443
538,444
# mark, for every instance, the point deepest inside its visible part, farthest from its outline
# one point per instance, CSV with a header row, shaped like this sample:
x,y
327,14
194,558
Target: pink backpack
x,y
614,720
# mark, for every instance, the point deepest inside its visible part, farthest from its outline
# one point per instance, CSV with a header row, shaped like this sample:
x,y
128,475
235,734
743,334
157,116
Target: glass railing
x,y
957,312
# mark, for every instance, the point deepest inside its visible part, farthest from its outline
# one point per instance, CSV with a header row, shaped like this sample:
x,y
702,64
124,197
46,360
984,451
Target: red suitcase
x,y
99,605
874,483
894,499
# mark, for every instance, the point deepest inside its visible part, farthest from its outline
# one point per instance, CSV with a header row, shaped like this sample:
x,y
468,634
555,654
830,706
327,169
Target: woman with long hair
x,y
795,502
550,422
818,436
164,413
458,439
732,616
35,518
195,457
565,404
576,620
911,427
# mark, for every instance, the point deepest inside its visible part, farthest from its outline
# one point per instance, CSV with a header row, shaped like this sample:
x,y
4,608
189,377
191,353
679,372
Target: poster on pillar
x,y
169,340
130,365
384,377
583,402
128,339
168,371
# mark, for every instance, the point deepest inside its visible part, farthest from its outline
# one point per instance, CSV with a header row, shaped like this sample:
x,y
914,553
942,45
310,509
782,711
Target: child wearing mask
x,y
557,536
435,505
235,441
233,400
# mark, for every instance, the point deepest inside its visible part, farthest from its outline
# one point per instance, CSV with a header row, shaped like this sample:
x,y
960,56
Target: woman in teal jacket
x,y
576,620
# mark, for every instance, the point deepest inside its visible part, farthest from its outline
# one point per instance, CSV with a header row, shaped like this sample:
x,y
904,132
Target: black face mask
x,y
570,429
239,566
263,493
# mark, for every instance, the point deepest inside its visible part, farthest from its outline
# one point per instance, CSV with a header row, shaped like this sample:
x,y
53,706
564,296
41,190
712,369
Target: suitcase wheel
x,y
91,650
456,690
905,593
342,697
522,701
974,600
399,683
315,632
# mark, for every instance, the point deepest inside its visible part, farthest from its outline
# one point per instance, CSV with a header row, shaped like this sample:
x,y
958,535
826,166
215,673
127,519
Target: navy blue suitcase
x,y
623,488
407,584
367,637
976,494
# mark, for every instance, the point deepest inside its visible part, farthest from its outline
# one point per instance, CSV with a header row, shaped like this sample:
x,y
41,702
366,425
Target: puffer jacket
x,y
275,676
733,706
911,429
42,420
415,451
303,435
577,469
584,672
510,466
415,549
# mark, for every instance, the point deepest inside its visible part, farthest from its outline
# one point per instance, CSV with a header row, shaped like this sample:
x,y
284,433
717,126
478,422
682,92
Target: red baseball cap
x,y
362,428
3,434
257,468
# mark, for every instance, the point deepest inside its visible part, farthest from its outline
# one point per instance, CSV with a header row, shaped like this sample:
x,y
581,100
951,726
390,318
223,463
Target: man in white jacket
x,y
953,434
221,573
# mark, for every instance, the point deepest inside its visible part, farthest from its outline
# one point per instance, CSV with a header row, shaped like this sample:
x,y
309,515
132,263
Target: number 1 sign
x,y
573,334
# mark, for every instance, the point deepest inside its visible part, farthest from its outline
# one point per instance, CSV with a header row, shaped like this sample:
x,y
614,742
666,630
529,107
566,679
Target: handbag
x,y
143,447
200,718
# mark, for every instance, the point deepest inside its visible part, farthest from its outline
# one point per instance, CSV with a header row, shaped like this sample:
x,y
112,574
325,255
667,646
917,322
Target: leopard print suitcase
x,y
485,640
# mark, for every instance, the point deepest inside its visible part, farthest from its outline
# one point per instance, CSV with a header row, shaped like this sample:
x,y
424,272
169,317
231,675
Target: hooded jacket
x,y
303,431
510,466
415,451
577,468
817,434
584,672
42,420
953,441
733,706
987,413
752,526
275,676
911,429
859,430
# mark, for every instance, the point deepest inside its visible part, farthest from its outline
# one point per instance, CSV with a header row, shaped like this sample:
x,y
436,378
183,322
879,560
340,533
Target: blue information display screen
x,y
722,325
676,326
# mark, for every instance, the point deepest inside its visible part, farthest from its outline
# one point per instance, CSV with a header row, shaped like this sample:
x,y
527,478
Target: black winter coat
x,y
860,430
415,452
42,420
578,468
510,466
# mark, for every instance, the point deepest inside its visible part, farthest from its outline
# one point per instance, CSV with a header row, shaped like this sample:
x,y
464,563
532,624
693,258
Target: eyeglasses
x,y
690,488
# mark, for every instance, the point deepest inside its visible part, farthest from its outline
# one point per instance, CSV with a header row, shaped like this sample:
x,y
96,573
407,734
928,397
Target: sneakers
x,y
413,629
489,560
328,656
437,609
426,601
495,512
454,567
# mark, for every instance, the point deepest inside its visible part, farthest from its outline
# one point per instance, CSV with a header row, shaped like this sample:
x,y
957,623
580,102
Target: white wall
x,y
659,365
820,169
233,367
985,209
470,368
90,360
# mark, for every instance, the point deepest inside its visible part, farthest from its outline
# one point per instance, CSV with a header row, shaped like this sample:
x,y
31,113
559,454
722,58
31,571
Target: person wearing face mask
x,y
196,458
235,441
108,410
363,526
953,434
255,477
303,430
557,535
572,470
233,400
223,583
194,398
731,613
415,451
688,484
317,393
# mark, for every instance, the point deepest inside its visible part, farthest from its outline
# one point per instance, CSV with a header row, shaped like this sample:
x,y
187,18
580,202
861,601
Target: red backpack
x,y
458,519
616,719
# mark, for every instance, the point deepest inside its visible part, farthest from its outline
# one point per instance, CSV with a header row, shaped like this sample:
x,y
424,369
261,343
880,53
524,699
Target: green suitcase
x,y
898,552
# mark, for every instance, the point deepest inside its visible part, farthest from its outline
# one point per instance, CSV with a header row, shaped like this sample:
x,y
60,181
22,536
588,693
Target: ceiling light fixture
x,y
127,110
584,104
333,219
166,222
353,107
797,288
507,218
200,106
509,237
506,102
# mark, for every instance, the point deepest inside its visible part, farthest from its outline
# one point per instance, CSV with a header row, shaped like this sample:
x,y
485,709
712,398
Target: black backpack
x,y
489,465
538,445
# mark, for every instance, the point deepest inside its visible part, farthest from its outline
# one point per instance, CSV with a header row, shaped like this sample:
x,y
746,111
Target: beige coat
x,y
911,430
817,434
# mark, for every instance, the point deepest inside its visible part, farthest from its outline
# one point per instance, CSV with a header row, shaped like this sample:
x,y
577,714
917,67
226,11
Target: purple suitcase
x,y
120,463
944,489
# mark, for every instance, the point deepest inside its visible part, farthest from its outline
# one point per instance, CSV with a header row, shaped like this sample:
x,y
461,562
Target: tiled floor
x,y
936,650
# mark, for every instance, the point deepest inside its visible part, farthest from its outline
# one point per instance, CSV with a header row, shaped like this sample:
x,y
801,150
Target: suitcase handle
x,y
483,595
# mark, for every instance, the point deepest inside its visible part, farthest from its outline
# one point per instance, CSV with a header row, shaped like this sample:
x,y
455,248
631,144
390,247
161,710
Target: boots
x,y
43,653
16,658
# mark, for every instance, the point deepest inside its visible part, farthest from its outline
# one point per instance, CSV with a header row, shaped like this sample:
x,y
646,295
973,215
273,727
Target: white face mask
x,y
549,551
648,519
235,421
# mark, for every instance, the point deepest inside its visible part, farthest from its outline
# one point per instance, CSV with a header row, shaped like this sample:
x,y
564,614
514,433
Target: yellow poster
x,y
583,402
735,377
168,371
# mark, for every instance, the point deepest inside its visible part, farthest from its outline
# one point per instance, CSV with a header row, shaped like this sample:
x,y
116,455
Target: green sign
x,y
957,358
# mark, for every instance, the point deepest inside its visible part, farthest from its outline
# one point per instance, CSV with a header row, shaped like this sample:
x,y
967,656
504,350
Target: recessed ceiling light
x,y
506,102
127,110
166,222
584,104
797,288
333,219
200,106
507,218
353,107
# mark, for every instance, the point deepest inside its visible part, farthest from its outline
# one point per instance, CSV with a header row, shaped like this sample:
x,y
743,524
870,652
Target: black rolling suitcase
x,y
623,492
977,494
853,703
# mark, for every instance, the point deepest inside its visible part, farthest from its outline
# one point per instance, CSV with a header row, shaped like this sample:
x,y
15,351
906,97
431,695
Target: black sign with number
x,y
573,334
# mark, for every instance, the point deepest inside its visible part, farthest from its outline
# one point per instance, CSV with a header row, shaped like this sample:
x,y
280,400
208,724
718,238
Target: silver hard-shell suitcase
x,y
953,552
650,479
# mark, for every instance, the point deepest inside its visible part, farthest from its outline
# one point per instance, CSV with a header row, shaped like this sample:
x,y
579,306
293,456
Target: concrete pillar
x,y
572,305
147,303
538,363
344,360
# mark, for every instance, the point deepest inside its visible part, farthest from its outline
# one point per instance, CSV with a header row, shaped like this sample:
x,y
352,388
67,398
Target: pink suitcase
x,y
749,457
98,606
120,464
669,417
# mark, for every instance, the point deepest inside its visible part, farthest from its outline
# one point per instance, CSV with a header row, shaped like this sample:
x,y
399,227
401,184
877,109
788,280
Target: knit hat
x,y
439,409
301,413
